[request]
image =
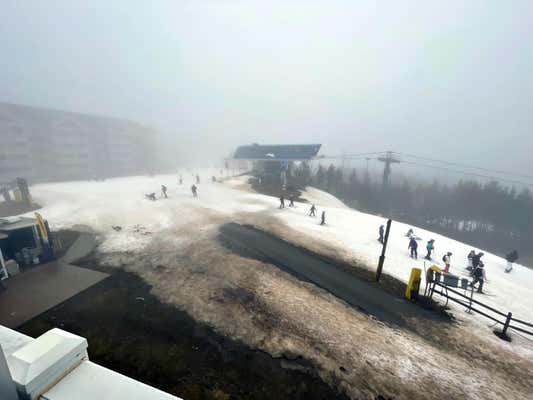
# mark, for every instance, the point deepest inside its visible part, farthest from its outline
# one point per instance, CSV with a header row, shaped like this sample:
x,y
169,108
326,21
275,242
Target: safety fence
x,y
468,301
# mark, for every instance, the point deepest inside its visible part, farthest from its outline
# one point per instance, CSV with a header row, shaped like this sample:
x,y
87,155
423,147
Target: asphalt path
x,y
363,295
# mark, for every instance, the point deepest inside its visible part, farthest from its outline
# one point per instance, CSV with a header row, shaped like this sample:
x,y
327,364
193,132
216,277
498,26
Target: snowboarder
x,y
281,202
413,246
323,218
409,233
194,191
430,246
381,233
447,259
470,257
511,258
291,200
479,276
164,191
312,211
197,179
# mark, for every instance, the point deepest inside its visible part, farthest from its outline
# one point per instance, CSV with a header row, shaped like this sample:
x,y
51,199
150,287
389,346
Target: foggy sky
x,y
450,79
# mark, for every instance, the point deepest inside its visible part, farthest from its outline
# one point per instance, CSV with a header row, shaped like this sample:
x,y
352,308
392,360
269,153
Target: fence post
x,y
382,257
503,334
507,322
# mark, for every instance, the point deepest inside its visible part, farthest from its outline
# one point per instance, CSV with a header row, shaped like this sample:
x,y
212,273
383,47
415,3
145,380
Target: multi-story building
x,y
42,144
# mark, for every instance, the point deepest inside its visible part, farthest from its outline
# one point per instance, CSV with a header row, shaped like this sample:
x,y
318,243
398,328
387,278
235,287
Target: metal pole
x,y
382,257
507,322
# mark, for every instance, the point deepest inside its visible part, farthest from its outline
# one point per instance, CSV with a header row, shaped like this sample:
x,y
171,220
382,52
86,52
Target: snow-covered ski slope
x,y
120,201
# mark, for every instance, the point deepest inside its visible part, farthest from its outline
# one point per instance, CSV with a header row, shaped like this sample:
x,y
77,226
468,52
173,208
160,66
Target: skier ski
x,y
381,233
194,190
479,276
323,218
447,259
312,211
430,246
511,258
413,246
164,191
281,202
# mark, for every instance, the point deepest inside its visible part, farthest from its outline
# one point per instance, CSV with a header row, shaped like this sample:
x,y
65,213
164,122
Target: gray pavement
x,y
366,296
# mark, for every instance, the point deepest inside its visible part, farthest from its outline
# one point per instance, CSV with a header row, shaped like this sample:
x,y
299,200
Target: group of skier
x,y
475,265
312,210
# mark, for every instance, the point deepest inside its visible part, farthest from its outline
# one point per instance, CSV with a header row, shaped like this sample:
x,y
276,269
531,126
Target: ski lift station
x,y
274,162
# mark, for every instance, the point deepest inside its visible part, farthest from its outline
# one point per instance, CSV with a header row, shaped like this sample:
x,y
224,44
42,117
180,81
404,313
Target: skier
x,y
476,260
312,211
213,179
323,219
150,196
194,190
413,246
164,191
447,259
479,276
197,179
181,180
470,257
430,247
281,202
409,233
291,200
511,258
381,233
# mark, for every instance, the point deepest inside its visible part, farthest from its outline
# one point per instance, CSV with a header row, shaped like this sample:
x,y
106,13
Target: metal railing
x,y
508,322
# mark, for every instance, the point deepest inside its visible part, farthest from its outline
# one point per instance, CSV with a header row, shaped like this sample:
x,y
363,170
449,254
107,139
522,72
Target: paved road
x,y
364,295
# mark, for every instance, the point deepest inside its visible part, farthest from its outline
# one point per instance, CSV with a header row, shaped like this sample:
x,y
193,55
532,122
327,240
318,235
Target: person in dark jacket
x,y
194,191
469,258
511,258
164,191
476,260
413,246
312,211
291,200
381,233
323,219
430,246
479,276
281,202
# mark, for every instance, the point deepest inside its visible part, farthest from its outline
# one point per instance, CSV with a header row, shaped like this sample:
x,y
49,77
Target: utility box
x,y
413,287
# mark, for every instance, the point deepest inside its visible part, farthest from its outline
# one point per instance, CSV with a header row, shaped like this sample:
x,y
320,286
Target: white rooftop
x,y
55,366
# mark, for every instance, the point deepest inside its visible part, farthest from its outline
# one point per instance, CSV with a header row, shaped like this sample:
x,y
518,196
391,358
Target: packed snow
x,y
172,244
121,202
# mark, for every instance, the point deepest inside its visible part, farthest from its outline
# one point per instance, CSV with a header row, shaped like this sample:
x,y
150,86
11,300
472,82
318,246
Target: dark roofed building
x,y
273,163
280,152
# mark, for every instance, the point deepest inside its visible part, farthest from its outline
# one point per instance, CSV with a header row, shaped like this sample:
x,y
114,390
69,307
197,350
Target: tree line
x,y
487,215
